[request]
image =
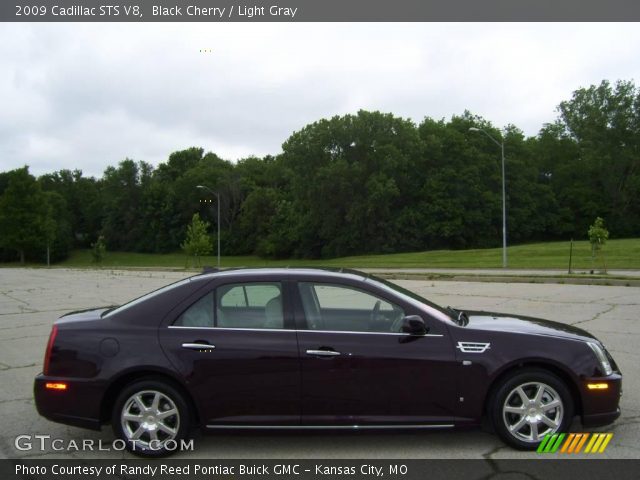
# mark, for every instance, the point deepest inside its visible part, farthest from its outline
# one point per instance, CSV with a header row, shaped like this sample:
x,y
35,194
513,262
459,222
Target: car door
x,y
237,351
358,368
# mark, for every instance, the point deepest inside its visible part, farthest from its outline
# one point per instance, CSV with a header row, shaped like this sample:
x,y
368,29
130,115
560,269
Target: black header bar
x,y
320,11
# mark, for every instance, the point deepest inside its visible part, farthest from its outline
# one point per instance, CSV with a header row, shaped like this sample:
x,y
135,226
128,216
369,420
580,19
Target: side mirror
x,y
414,325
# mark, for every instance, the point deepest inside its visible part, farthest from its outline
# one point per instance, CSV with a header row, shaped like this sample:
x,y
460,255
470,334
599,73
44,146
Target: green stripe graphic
x,y
542,445
551,443
558,443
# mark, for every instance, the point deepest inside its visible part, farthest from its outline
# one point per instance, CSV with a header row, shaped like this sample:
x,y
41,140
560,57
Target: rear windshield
x,y
146,297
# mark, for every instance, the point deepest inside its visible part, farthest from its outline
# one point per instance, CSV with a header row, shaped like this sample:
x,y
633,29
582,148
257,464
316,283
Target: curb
x,y
609,282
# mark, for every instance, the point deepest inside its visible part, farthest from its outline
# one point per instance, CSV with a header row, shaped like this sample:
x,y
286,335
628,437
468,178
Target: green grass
x,y
619,254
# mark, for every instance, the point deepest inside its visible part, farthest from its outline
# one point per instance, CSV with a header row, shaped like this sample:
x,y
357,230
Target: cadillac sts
x,y
317,349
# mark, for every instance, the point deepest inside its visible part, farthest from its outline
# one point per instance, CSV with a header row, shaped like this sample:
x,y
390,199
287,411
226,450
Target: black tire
x,y
551,413
165,416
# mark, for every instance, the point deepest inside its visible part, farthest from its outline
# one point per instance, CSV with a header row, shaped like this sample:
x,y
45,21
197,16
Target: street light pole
x,y
504,195
504,212
203,187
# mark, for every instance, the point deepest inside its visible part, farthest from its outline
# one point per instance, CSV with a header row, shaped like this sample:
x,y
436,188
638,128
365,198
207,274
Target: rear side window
x,y
241,305
250,305
200,314
247,295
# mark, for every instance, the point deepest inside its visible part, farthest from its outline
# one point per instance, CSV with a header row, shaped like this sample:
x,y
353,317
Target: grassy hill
x,y
618,254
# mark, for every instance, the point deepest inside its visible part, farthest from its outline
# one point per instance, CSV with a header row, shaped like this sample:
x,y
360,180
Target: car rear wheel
x,y
151,417
529,405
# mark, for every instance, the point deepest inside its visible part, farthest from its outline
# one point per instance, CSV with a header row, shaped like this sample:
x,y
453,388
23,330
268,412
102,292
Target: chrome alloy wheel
x,y
531,411
150,418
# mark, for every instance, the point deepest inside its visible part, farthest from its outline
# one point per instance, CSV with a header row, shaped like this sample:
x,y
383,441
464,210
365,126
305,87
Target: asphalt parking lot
x,y
31,299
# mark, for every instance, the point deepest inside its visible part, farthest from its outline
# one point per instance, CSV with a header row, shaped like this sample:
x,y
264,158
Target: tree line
x,y
370,182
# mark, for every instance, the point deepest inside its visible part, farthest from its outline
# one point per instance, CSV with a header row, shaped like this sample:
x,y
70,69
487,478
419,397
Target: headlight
x,y
602,357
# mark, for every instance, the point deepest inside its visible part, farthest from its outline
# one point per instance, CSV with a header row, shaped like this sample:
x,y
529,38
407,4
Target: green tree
x,y
82,206
350,176
209,170
57,227
460,196
23,214
264,189
197,241
604,121
598,236
122,192
98,250
556,158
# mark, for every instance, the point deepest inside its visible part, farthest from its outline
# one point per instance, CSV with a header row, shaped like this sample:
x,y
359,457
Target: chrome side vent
x,y
473,347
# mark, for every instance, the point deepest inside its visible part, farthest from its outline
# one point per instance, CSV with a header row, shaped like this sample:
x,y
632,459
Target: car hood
x,y
503,322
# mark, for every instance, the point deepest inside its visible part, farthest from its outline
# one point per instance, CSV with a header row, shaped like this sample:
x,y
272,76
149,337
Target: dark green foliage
x,y
57,228
83,202
354,184
604,122
25,219
350,176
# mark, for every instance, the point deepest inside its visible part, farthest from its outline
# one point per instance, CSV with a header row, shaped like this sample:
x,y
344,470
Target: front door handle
x,y
323,353
199,346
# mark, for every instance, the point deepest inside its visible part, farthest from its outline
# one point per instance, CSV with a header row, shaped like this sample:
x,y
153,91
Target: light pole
x,y
504,196
202,187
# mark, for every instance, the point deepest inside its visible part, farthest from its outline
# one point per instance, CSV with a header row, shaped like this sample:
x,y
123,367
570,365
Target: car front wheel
x,y
530,405
151,417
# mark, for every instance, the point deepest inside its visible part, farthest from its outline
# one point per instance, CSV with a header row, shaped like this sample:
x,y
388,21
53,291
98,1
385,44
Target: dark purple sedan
x,y
317,349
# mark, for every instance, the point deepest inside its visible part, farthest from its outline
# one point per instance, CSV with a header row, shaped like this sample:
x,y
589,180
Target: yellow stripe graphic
x,y
601,437
594,437
608,438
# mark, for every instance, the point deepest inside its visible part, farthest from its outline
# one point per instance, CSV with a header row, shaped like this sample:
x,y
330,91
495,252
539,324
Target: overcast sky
x,y
89,95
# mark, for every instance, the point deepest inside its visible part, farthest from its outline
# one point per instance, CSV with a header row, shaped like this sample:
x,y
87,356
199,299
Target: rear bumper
x,y
78,405
601,407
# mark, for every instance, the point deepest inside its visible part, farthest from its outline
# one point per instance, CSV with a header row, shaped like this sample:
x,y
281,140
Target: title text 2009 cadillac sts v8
x,y
314,348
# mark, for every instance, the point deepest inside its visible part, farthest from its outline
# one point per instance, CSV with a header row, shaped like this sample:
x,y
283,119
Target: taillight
x,y
47,355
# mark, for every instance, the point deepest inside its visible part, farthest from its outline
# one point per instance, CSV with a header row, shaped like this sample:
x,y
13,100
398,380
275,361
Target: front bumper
x,y
78,406
601,406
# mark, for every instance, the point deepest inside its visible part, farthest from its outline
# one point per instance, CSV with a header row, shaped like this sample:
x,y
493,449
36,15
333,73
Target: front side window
x,y
343,308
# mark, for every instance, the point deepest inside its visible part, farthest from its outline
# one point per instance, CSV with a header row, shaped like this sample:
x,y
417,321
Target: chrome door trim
x,y
349,332
181,327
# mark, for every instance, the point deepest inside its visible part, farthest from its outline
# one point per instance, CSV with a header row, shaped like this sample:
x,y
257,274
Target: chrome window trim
x,y
182,327
328,427
304,330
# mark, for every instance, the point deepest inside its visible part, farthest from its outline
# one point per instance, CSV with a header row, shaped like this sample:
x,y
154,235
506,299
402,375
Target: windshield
x,y
113,311
407,294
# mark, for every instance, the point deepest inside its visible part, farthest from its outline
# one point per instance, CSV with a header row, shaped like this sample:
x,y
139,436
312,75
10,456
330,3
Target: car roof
x,y
210,274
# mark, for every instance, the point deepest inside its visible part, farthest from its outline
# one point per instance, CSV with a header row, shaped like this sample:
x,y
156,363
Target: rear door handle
x,y
198,346
323,353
